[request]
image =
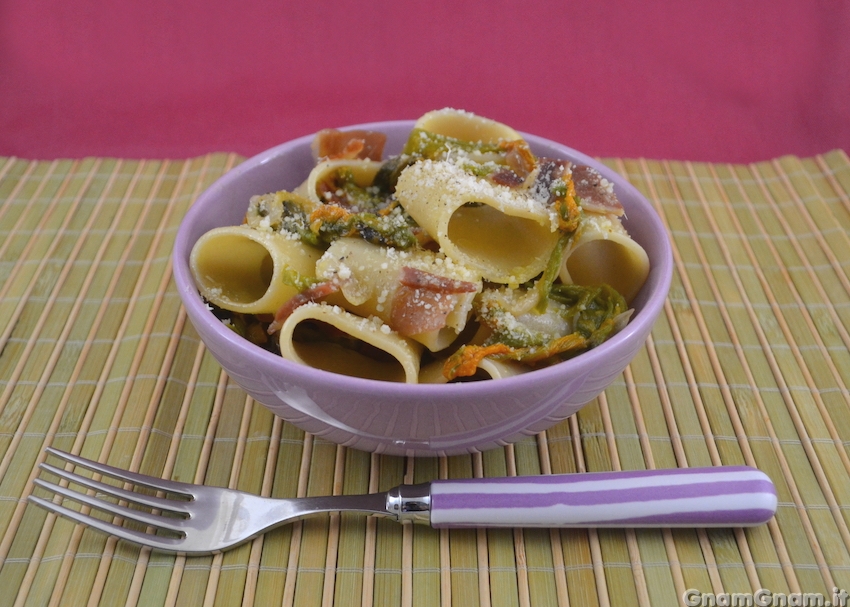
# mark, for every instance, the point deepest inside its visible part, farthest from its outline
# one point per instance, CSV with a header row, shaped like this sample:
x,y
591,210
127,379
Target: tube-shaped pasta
x,y
242,269
362,171
465,126
422,295
401,364
603,252
506,235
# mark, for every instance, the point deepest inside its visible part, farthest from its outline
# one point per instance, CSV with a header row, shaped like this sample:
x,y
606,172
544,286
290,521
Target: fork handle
x,y
724,496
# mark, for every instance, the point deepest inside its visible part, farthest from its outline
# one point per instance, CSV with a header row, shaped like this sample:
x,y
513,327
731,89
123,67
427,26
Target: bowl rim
x,y
660,275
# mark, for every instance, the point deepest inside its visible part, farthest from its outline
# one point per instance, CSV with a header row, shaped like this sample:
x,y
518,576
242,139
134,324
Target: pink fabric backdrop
x,y
718,80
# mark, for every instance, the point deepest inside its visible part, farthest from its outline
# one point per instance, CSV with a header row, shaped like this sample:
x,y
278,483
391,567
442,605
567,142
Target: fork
x,y
197,519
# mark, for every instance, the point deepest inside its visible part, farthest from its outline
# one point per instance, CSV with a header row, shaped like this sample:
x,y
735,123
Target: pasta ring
x,y
465,126
242,269
402,364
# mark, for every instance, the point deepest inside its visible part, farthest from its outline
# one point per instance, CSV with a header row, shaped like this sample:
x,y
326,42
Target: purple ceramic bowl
x,y
408,419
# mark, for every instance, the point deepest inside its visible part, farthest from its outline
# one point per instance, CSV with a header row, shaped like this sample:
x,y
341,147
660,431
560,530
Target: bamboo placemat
x,y
749,363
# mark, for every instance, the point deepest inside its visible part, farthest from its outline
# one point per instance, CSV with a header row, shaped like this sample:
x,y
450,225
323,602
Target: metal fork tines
x,y
180,517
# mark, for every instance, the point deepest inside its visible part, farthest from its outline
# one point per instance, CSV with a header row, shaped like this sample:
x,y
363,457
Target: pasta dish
x,y
463,257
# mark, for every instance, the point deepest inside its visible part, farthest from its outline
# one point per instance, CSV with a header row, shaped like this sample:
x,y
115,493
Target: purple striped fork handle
x,y
724,496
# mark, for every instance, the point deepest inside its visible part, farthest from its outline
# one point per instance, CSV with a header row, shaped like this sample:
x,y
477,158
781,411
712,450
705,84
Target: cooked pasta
x,y
337,180
345,354
465,126
602,251
463,257
245,270
385,283
473,219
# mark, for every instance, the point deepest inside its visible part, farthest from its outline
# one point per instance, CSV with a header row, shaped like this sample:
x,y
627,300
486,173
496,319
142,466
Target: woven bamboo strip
x,y
407,544
8,163
482,555
136,586
140,282
110,441
368,590
295,545
315,537
107,562
809,201
46,324
741,536
611,544
273,573
554,534
774,525
814,230
223,575
66,395
40,271
575,543
40,545
69,322
426,578
497,565
9,204
31,211
641,586
195,468
730,404
121,406
593,534
445,557
389,545
539,553
231,589
809,367
334,531
743,549
99,585
833,221
462,554
348,570
40,324
830,173
250,596
809,423
809,323
671,422
708,553
40,262
176,579
677,578
786,392
248,472
658,427
520,555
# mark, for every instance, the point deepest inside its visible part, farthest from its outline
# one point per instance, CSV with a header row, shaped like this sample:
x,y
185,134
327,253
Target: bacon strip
x,y
332,144
310,295
595,196
424,300
420,279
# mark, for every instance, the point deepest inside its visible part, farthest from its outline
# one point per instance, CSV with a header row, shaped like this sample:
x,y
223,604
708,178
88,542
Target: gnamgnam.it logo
x,y
765,598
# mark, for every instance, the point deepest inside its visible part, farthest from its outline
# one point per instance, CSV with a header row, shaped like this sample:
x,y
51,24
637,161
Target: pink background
x,y
719,80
